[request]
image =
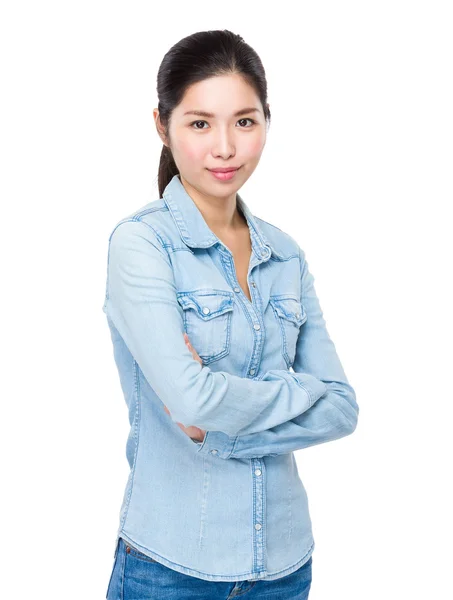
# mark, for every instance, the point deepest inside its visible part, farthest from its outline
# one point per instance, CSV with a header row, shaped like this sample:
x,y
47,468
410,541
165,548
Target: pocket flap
x,y
289,309
207,303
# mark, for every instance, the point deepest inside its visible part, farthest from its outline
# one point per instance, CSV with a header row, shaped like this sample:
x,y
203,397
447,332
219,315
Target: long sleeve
x,y
141,302
333,416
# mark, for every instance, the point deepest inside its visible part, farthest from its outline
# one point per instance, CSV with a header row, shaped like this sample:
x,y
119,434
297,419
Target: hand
x,y
192,349
193,432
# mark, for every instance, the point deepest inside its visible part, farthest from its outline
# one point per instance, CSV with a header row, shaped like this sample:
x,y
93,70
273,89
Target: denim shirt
x,y
232,507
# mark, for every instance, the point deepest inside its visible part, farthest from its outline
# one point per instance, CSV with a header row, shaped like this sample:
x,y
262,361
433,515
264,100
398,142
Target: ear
x,y
159,128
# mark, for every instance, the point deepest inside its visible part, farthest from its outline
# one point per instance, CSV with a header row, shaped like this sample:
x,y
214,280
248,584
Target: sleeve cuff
x,y
217,443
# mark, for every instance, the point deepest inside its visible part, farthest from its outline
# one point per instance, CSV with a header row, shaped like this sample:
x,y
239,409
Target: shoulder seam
x,y
157,234
138,220
147,211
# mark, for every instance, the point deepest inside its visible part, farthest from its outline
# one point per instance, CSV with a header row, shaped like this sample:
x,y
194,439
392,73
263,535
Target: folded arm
x,y
333,416
141,302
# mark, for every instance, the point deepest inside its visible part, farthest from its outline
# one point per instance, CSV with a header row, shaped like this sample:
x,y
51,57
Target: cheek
x,y
190,152
254,147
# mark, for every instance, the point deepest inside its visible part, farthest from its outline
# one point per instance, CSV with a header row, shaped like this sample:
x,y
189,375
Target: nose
x,y
224,145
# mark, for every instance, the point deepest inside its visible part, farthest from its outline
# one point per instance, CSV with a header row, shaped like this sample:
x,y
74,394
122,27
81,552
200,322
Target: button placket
x,y
258,514
255,316
257,350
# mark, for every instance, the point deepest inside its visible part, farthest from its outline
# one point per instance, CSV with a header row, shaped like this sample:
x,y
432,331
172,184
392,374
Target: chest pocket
x,y
290,315
207,321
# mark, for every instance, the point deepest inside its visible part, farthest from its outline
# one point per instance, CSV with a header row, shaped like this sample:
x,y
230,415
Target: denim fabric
x,y
233,507
136,576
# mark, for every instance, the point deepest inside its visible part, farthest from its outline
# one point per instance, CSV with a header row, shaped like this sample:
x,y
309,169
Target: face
x,y
225,139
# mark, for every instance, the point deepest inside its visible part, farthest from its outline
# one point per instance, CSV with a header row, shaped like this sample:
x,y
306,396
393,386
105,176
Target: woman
x,y
222,350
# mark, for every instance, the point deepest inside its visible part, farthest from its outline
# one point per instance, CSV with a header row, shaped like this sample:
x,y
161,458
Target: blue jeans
x,y
136,576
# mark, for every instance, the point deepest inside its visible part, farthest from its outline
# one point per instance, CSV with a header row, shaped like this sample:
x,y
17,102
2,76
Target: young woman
x,y
222,350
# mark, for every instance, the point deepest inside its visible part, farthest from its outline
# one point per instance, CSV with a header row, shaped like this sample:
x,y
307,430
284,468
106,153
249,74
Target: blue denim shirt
x,y
232,507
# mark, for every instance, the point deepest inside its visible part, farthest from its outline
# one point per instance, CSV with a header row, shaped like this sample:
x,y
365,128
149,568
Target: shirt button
x,y
206,310
257,327
236,289
214,451
252,371
264,252
297,315
254,284
258,472
257,526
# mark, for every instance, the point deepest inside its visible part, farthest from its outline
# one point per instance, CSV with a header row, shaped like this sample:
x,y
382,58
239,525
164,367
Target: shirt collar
x,y
194,230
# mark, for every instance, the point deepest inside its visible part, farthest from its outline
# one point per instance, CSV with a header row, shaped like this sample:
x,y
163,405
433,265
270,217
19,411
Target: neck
x,y
222,214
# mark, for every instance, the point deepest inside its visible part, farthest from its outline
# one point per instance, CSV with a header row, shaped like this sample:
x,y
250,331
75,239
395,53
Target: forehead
x,y
222,96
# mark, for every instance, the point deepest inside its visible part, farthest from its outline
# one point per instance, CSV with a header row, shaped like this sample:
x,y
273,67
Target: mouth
x,y
224,169
224,174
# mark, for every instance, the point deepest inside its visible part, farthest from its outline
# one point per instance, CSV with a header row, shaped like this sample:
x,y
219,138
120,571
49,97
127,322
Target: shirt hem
x,y
248,575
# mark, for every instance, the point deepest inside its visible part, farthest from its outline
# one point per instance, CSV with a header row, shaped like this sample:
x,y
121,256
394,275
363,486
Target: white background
x,y
357,168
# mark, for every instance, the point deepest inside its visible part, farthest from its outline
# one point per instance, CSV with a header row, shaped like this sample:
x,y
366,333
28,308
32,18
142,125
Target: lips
x,y
224,169
225,174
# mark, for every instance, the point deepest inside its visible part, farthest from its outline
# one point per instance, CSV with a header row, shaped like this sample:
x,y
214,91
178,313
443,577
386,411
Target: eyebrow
x,y
202,113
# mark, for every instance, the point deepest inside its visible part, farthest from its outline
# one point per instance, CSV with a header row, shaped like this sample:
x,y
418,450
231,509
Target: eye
x,y
198,122
247,119
202,121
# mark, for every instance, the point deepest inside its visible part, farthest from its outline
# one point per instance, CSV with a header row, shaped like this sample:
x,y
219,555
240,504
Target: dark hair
x,y
197,57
